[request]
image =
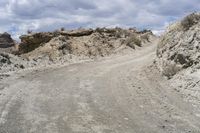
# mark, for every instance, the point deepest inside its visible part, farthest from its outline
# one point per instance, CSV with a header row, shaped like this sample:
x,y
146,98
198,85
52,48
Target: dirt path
x,y
120,94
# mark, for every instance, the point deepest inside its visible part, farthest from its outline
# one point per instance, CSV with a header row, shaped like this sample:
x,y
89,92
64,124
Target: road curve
x,y
119,94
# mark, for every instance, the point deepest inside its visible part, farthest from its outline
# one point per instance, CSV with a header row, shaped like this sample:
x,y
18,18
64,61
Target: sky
x,y
18,16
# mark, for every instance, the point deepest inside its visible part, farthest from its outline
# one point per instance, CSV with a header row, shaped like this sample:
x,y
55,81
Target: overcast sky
x,y
17,16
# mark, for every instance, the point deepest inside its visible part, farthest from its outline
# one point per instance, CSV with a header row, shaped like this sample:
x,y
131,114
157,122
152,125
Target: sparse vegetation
x,y
131,45
49,47
190,20
134,40
145,37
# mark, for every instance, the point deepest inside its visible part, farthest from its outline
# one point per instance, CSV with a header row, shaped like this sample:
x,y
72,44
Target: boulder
x,y
6,43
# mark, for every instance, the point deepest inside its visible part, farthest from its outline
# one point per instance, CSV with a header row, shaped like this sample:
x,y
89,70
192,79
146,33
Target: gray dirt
x,y
117,94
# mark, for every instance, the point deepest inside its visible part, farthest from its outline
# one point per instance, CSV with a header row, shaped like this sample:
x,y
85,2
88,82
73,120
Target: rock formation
x,y
6,43
46,48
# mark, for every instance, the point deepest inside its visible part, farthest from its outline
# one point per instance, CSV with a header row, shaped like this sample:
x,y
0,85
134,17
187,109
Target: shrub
x,y
145,37
136,40
131,45
62,29
29,31
132,41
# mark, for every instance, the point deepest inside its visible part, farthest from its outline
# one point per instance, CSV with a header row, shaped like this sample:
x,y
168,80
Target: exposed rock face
x,y
179,47
32,41
78,33
6,43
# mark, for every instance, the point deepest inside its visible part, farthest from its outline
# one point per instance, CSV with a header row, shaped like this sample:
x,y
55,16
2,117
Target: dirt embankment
x,y
45,48
179,56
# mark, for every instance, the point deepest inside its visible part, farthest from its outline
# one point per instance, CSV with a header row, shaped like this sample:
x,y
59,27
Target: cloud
x,y
17,16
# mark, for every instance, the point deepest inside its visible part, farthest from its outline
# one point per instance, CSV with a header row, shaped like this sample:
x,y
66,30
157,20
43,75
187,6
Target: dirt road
x,y
120,94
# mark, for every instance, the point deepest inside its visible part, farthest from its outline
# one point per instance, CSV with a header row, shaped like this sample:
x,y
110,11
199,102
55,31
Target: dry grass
x,y
190,20
133,40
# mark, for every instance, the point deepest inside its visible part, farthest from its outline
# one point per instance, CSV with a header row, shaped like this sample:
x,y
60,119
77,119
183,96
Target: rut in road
x,y
119,94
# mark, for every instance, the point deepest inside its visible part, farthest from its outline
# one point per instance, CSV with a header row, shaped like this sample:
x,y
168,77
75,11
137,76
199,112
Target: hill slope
x,y
179,57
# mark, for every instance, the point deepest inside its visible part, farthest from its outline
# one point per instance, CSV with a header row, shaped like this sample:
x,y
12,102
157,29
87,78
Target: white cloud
x,y
17,16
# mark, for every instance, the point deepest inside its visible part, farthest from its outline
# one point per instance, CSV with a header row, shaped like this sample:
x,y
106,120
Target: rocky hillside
x,y
179,56
179,47
62,46
81,43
